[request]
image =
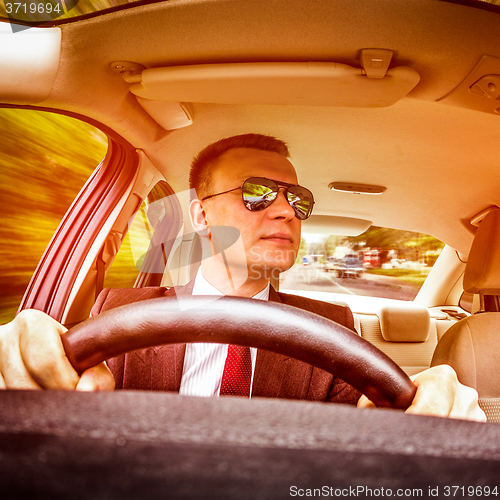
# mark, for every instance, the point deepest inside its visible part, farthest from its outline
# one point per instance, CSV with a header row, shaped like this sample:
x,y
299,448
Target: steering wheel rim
x,y
275,327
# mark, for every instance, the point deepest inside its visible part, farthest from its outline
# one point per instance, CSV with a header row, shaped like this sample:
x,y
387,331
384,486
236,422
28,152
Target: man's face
x,y
271,237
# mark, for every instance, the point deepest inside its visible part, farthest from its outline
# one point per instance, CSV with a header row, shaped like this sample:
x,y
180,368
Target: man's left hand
x,y
439,393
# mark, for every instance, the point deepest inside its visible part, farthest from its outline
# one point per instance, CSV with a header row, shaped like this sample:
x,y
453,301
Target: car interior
x,y
390,110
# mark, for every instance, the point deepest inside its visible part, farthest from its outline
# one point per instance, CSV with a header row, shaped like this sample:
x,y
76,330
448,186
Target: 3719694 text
x,y
27,7
367,492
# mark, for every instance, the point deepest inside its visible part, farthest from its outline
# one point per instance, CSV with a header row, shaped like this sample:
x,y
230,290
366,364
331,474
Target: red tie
x,y
237,372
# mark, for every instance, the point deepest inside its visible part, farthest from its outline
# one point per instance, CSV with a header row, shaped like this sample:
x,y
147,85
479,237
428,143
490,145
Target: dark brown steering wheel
x,y
232,320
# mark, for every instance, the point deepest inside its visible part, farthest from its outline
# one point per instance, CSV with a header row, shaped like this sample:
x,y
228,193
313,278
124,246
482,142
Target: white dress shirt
x,y
203,362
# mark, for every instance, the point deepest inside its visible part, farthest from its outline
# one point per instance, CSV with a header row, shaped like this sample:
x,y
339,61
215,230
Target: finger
x,y
43,353
435,392
98,378
364,402
15,375
2,383
12,368
466,405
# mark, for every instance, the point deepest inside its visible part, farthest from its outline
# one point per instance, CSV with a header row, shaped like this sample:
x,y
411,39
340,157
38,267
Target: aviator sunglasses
x,y
258,193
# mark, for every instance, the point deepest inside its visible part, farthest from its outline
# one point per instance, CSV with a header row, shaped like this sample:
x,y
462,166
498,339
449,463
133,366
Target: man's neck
x,y
223,281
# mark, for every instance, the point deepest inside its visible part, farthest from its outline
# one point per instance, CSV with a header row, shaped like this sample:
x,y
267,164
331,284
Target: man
x,y
244,182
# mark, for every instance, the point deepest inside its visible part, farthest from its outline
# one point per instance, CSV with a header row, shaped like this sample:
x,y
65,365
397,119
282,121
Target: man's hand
x,y
32,357
439,393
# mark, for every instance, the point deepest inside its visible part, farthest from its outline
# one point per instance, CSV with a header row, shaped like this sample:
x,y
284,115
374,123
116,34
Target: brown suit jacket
x,y
276,376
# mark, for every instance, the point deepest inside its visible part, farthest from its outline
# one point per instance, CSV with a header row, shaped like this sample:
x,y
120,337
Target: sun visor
x,y
332,224
28,60
169,115
285,83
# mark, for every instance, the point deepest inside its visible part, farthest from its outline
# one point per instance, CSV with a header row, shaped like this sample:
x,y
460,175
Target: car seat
x,y
471,346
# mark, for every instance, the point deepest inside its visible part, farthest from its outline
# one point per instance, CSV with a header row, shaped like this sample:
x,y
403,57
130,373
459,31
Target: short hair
x,y
204,163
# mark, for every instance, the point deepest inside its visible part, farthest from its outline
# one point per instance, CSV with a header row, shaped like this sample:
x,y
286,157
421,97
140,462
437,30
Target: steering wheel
x,y
266,325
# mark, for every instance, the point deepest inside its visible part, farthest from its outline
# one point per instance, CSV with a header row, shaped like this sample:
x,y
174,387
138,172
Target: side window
x,y
144,252
45,159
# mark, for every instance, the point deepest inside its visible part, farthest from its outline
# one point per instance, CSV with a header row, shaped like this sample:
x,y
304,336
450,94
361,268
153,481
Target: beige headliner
x,y
440,163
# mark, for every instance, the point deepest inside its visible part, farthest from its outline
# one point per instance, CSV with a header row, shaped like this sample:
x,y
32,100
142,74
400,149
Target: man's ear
x,y
199,218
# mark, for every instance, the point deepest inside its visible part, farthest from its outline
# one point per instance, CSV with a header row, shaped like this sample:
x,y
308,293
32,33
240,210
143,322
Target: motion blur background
x,y
45,159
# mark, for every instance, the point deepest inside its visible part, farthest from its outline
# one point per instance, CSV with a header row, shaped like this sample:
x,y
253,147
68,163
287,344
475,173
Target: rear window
x,y
381,262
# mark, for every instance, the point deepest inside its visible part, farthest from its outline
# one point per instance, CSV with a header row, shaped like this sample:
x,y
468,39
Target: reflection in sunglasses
x,y
258,193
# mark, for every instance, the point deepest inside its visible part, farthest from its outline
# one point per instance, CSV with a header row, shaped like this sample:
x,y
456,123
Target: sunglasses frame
x,y
278,184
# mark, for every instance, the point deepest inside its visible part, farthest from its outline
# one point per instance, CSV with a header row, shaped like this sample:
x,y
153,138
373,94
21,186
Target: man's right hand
x,y
32,357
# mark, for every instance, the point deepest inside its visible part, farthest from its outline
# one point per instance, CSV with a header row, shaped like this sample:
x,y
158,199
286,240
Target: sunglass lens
x,y
258,193
301,200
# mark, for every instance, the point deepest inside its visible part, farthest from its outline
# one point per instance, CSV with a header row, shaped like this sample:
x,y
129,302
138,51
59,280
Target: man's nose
x,y
280,207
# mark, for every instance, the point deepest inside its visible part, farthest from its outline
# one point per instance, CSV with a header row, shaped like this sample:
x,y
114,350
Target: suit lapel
x,y
265,365
277,375
174,356
176,352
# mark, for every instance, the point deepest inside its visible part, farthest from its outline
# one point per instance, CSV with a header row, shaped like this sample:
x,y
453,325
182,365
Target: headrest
x,y
482,272
404,322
